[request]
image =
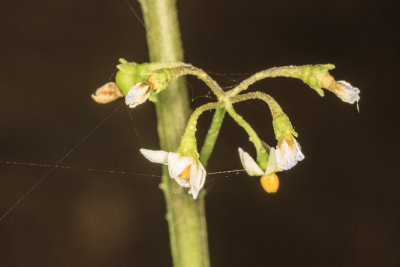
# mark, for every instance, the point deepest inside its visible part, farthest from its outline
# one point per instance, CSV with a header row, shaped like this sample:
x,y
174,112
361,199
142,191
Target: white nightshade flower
x,y
137,95
187,171
269,180
288,154
346,92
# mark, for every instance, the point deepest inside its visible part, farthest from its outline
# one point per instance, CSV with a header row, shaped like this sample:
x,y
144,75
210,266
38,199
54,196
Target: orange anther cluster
x,y
186,172
270,183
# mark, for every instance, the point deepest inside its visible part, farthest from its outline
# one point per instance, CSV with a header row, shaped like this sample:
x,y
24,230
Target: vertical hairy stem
x,y
186,217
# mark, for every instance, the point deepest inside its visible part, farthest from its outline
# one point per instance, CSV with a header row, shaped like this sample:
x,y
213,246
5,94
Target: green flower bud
x,y
129,74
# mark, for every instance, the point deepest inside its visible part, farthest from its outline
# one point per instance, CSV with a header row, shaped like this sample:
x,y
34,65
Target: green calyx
x,y
159,80
314,76
188,147
282,125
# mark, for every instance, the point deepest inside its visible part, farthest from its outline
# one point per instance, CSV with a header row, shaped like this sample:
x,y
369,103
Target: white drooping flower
x,y
346,92
187,171
137,95
269,180
288,153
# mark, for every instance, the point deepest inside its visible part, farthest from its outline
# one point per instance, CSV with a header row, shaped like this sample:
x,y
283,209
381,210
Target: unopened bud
x,y
107,93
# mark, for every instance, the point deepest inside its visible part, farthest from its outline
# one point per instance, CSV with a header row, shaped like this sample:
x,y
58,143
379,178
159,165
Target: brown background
x,y
339,207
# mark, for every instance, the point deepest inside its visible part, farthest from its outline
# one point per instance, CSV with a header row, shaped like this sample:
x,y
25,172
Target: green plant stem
x,y
185,216
262,155
299,72
199,73
274,107
188,144
165,65
212,135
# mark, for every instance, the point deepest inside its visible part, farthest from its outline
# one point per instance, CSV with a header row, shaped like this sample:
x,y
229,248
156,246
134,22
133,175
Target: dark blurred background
x,y
338,207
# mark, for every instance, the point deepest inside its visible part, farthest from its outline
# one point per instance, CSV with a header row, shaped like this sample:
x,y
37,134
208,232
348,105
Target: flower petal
x,y
346,92
182,182
249,164
272,166
137,95
197,179
176,165
287,156
157,156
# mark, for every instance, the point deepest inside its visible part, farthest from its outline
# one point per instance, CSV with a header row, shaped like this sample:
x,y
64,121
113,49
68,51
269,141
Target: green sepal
x,y
159,80
281,124
314,75
188,146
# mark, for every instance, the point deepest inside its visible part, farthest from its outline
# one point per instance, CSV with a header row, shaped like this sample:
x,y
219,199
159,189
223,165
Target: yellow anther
x,y
270,182
186,172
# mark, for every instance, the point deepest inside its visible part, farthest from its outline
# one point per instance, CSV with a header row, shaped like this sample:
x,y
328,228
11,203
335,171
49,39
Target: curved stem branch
x,y
202,75
274,107
188,144
285,71
262,155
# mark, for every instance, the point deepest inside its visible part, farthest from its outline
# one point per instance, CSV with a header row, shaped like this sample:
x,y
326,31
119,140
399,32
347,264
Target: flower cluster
x,y
140,82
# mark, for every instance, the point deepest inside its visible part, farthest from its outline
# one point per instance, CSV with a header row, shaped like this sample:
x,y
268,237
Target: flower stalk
x,y
199,73
309,74
262,155
188,144
212,135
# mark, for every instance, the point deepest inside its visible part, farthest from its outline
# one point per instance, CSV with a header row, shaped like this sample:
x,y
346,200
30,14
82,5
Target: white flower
x,y
252,168
107,93
346,92
137,95
269,180
187,171
288,153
